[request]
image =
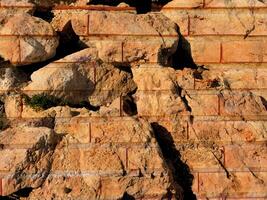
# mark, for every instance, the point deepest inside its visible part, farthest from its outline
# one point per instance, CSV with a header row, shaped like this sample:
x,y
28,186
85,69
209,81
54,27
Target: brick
x,y
176,129
176,4
144,158
195,183
228,131
236,78
14,3
248,51
180,17
203,104
159,103
142,51
1,189
261,78
201,157
234,4
240,184
107,50
13,52
79,130
10,158
80,23
13,106
242,104
205,51
109,23
123,130
252,156
185,78
223,22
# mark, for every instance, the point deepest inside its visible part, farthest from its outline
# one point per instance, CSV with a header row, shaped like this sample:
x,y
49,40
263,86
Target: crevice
x,y
180,170
142,6
24,192
182,58
129,105
46,15
126,196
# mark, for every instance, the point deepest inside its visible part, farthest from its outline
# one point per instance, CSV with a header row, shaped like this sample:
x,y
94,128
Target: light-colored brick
x,y
228,131
80,24
180,17
203,104
234,4
176,4
244,51
228,22
239,184
246,156
205,50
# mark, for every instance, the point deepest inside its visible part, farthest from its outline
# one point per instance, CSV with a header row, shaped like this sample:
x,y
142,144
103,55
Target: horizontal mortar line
x,y
220,170
197,8
227,34
62,7
27,35
131,35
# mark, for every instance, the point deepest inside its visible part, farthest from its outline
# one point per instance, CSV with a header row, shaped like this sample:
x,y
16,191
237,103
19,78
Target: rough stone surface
x,y
32,40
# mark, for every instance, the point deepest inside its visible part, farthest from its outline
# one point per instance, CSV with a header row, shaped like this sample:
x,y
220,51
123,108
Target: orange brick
x,y
223,22
261,78
246,156
180,17
240,184
234,4
13,51
144,158
204,104
80,24
221,131
205,51
1,187
244,51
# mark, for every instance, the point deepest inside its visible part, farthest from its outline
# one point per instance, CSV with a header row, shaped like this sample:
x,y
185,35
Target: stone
x,y
33,43
27,167
94,81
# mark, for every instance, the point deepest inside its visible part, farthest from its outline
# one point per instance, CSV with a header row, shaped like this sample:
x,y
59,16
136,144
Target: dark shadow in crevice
x,y
46,15
264,102
126,196
182,58
142,6
25,192
129,105
180,170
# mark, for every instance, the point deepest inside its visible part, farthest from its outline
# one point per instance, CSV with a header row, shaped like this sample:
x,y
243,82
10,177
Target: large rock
x,y
26,157
79,77
30,40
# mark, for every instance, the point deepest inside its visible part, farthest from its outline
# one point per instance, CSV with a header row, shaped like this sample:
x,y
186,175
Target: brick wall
x,y
228,37
225,145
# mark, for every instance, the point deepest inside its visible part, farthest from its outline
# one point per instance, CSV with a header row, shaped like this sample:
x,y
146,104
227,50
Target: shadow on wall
x,y
180,170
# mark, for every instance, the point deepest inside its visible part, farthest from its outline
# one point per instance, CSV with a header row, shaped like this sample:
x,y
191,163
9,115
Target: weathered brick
x,y
180,17
234,4
244,51
225,22
13,52
144,159
239,184
205,51
201,157
79,130
80,24
246,156
10,158
261,78
203,104
123,130
13,106
185,78
159,103
228,131
148,50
